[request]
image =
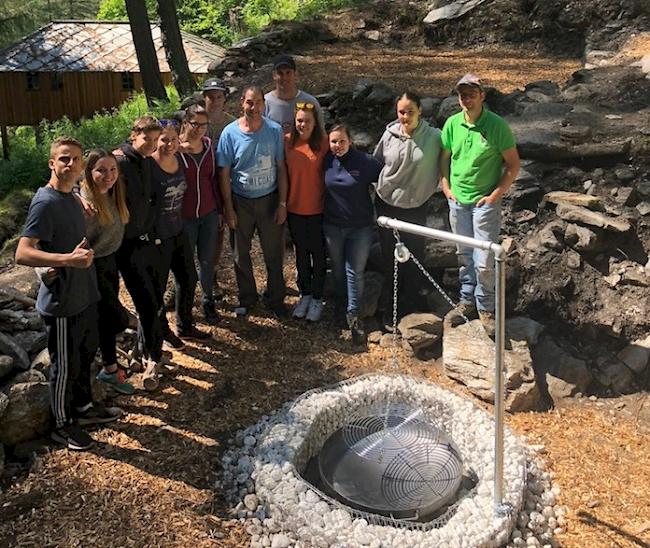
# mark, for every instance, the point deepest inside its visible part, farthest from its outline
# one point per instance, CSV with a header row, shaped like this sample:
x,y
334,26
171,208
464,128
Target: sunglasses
x,y
305,106
197,125
169,122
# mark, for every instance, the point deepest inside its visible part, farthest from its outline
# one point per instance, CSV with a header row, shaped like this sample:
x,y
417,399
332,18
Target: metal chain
x,y
395,363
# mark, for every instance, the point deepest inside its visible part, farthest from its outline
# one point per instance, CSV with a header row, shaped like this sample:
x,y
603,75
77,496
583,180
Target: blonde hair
x,y
117,193
62,141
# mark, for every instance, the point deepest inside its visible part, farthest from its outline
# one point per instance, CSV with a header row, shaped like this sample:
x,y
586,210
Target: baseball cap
x,y
470,80
283,61
214,83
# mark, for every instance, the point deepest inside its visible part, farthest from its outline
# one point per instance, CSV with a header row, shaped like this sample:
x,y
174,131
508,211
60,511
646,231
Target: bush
x,y
27,166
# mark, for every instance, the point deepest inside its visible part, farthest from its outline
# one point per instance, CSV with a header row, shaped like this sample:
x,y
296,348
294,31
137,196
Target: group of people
x,y
160,203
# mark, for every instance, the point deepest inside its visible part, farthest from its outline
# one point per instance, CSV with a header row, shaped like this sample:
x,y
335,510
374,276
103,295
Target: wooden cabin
x,y
76,68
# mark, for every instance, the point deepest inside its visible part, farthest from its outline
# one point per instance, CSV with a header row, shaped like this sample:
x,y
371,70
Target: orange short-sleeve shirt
x,y
305,173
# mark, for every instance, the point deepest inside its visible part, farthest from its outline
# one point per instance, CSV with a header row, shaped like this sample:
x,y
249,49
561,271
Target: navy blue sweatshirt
x,y
347,189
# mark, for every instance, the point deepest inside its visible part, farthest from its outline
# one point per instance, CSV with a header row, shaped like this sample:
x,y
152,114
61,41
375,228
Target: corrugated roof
x,y
106,46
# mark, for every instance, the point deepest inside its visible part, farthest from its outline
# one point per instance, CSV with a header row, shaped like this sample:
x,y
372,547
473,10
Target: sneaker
x,y
209,313
72,437
458,315
117,380
300,310
98,414
150,374
193,334
279,310
488,322
356,329
173,341
315,310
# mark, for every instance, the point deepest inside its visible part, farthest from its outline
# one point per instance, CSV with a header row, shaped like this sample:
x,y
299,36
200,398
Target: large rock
x,y
592,218
420,331
468,357
574,198
580,238
448,107
452,10
28,413
32,342
11,348
636,355
564,374
6,365
615,374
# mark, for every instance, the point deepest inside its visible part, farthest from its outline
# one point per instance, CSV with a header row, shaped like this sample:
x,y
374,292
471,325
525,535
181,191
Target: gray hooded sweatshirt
x,y
410,173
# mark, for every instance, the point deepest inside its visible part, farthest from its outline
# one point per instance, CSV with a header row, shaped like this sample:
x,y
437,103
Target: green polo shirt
x,y
476,160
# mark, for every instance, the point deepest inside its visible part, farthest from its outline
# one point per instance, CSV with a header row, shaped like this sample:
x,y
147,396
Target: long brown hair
x,y
317,135
117,193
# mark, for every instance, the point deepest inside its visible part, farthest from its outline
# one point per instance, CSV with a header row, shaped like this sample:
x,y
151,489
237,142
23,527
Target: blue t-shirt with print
x,y
252,158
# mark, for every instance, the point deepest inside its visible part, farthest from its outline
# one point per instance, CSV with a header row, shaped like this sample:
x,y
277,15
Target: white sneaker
x,y
150,375
300,311
315,310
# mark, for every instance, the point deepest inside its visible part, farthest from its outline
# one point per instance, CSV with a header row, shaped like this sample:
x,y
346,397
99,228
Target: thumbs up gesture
x,y
80,256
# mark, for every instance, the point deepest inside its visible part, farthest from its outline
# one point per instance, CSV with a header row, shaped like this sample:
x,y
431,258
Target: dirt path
x,y
149,480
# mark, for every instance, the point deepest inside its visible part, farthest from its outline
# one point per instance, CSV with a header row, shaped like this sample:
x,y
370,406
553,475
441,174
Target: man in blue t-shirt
x,y
55,236
253,182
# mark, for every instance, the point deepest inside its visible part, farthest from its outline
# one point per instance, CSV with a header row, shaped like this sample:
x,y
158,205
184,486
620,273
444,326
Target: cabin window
x,y
128,83
32,81
56,81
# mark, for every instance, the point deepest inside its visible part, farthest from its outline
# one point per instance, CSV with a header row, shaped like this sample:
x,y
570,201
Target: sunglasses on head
x,y
305,106
169,122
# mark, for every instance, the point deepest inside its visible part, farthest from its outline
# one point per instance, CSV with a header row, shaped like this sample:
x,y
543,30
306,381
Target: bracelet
x,y
282,204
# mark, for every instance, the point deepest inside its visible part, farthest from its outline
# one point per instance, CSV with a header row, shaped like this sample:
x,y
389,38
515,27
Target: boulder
x,y
643,208
521,328
374,282
11,348
31,375
448,107
452,10
625,195
42,360
4,402
551,235
592,218
430,106
617,375
468,357
6,365
575,134
420,331
547,87
565,375
381,94
28,413
32,342
373,35
580,238
636,355
573,259
574,198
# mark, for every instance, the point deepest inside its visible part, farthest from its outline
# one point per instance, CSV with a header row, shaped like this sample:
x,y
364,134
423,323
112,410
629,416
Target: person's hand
x,y
47,274
231,218
88,208
281,214
487,200
81,257
450,196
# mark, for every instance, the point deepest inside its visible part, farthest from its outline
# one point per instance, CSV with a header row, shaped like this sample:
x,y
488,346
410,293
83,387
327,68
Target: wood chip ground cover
x,y
149,479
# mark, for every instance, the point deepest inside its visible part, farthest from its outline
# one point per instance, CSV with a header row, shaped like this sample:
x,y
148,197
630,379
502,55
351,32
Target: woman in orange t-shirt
x,y
305,147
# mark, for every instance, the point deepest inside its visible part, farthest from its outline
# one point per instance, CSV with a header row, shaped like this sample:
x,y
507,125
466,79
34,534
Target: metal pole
x,y
499,339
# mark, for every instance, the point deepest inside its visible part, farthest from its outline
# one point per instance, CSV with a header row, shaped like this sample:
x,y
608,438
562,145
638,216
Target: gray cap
x,y
470,80
214,83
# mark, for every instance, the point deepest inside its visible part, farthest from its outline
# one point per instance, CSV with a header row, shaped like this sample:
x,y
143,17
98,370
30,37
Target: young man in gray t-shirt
x,y
280,104
55,236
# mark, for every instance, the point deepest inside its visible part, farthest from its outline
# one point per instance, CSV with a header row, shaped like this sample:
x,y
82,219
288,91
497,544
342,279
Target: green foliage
x,y
27,166
115,10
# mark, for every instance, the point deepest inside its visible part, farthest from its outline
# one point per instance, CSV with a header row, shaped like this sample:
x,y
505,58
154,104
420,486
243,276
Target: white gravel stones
x,y
273,452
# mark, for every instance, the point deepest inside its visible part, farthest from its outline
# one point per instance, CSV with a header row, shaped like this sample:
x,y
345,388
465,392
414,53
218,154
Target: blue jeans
x,y
476,274
202,235
348,249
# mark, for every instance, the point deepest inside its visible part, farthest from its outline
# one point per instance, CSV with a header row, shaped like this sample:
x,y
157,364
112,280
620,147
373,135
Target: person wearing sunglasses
x,y
280,103
202,200
409,150
305,147
254,188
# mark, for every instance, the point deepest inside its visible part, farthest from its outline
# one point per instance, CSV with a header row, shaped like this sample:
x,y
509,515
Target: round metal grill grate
x,y
392,463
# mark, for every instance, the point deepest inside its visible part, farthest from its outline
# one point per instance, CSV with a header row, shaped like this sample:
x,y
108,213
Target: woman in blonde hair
x,y
104,190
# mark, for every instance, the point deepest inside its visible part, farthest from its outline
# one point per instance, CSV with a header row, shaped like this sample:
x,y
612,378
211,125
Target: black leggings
x,y
307,235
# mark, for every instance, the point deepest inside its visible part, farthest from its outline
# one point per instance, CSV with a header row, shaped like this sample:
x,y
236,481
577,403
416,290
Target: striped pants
x,y
72,344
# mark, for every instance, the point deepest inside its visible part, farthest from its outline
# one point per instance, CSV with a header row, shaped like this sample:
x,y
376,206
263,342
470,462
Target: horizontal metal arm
x,y
387,222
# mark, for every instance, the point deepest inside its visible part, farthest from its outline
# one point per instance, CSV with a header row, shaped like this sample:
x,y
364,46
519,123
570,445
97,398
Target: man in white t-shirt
x,y
280,104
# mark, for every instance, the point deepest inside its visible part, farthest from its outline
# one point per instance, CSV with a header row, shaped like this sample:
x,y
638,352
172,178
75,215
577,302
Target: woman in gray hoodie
x,y
409,150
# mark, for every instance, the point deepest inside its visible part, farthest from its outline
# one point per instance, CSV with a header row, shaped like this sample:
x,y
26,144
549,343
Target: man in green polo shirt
x,y
478,164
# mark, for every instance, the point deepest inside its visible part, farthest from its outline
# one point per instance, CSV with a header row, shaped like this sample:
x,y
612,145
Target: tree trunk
x,y
173,43
154,89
